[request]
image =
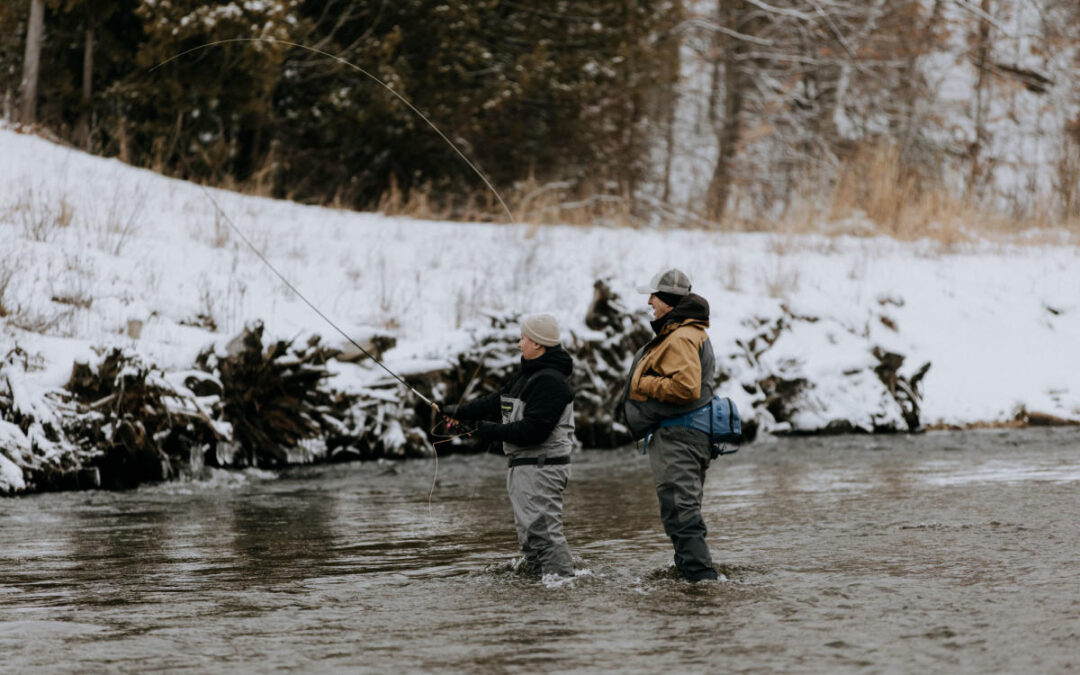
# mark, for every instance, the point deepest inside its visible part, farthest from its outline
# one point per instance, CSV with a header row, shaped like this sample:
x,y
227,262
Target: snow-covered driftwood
x,y
806,373
254,401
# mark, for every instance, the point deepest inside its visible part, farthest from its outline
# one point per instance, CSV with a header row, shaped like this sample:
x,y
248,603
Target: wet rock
x,y
132,459
782,396
89,478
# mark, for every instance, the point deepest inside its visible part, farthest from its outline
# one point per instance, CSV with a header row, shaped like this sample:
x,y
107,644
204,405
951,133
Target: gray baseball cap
x,y
672,281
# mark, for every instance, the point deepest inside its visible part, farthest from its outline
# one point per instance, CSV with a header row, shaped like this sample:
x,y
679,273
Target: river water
x,y
942,552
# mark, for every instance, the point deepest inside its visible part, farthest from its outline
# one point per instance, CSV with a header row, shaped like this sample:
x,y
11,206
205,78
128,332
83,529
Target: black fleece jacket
x,y
545,397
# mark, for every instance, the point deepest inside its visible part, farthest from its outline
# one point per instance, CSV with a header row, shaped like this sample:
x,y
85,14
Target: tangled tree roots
x,y
602,363
271,396
142,426
120,421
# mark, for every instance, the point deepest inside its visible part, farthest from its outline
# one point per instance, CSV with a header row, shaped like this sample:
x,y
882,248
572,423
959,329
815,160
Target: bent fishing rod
x,y
307,302
411,107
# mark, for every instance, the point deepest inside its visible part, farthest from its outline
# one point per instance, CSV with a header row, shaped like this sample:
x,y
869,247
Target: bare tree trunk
x,y
121,131
729,13
668,106
82,128
669,143
853,45
628,180
982,66
32,61
910,87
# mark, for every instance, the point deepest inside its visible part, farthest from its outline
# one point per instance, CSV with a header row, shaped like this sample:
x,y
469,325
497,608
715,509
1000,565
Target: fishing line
x,y
300,295
293,288
445,439
384,85
410,107
284,280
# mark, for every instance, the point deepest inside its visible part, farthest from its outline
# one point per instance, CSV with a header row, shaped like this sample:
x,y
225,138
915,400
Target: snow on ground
x,y
95,253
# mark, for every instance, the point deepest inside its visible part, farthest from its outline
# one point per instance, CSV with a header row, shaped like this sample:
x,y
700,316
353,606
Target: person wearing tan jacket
x,y
670,377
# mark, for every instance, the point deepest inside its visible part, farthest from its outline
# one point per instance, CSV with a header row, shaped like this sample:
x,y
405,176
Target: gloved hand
x,y
486,430
444,415
449,410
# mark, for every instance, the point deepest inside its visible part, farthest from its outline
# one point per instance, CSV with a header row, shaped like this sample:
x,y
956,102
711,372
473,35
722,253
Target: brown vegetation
x,y
874,193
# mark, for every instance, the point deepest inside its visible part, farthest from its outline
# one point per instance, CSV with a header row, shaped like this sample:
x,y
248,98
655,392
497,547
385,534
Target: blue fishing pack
x,y
719,419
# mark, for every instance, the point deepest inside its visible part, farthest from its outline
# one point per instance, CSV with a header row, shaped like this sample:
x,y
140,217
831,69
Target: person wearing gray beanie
x,y
536,412
543,329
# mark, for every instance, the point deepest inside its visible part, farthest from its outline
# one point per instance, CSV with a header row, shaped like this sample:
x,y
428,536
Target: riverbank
x,y
819,333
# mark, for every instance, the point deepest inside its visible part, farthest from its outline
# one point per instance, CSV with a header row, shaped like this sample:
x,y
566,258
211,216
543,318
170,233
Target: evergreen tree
x,y
553,91
203,113
557,90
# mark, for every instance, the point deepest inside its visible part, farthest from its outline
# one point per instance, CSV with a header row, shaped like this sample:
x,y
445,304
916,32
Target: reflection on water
x,y
940,551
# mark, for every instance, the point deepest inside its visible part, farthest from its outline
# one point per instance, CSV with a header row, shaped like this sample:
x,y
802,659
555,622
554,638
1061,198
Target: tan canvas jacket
x,y
670,369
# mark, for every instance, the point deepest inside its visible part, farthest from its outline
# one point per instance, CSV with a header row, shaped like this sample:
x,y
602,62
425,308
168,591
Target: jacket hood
x,y
692,306
555,358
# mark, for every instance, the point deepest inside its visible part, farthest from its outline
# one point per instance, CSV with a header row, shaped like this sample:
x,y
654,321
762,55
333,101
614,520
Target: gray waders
x,y
536,495
679,457
536,487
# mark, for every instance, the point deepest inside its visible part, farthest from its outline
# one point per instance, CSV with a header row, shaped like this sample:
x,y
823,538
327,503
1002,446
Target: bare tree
x,y
82,127
726,101
797,85
981,59
31,64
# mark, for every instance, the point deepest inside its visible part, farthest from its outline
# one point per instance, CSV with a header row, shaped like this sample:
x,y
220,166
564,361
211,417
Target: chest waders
x,y
535,480
679,455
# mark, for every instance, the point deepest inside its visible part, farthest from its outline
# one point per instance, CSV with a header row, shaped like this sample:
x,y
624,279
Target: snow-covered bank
x,y
96,253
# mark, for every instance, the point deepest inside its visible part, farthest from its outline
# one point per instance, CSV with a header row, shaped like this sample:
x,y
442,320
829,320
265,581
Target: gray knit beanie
x,y
543,329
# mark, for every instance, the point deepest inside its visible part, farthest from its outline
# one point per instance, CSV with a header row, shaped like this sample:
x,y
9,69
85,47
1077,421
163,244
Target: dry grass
x,y
559,202
780,280
565,203
30,318
39,215
733,275
221,233
901,203
416,203
121,218
874,193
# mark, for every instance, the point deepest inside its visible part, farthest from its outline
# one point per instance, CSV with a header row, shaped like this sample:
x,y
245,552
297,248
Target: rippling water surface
x,y
941,552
